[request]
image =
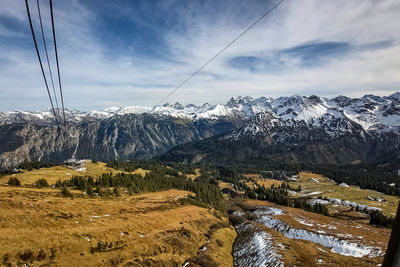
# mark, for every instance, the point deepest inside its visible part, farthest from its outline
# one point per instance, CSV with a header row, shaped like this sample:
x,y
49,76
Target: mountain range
x,y
312,129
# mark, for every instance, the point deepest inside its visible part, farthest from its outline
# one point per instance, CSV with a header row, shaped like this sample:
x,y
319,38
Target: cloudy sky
x,y
131,52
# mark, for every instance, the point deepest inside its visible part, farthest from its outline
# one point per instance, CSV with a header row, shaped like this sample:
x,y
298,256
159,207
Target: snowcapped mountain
x,y
312,129
370,112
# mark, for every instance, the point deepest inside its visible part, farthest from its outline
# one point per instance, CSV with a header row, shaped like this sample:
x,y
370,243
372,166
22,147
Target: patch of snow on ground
x,y
345,235
314,180
340,202
359,226
99,216
238,213
335,244
312,193
304,222
344,185
281,246
254,247
261,210
318,201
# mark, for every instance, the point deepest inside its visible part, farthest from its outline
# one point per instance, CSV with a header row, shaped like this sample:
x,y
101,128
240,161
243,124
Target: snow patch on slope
x,y
254,247
335,244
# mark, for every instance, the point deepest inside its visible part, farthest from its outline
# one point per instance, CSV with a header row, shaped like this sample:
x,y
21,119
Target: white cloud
x,y
95,77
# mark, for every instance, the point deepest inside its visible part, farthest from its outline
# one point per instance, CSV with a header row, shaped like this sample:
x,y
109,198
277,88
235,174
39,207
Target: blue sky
x,y
131,52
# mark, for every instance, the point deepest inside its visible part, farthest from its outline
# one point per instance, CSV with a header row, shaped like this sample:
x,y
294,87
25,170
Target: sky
x,y
131,52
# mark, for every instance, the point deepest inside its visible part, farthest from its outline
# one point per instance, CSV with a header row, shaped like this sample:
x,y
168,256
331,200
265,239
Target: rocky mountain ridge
x,y
338,130
369,111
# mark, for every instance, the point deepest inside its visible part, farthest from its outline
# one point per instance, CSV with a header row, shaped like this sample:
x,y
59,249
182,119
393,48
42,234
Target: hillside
x,y
124,137
315,185
273,235
137,214
38,226
267,138
64,172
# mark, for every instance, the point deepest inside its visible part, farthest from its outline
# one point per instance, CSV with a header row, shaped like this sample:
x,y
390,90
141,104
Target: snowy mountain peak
x,y
372,113
395,96
177,105
239,100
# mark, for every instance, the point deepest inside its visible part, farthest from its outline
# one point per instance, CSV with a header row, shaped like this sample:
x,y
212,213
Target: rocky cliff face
x,y
123,137
297,128
269,138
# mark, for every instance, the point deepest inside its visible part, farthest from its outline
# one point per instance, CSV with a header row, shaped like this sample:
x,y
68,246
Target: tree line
x,y
279,195
156,180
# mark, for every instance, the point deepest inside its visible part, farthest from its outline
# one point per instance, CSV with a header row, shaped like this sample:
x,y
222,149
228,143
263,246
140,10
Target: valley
x,y
291,181
200,133
170,227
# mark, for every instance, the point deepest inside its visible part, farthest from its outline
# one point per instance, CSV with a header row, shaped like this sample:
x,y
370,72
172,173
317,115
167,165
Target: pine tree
x,y
41,183
116,191
65,192
89,191
59,183
13,181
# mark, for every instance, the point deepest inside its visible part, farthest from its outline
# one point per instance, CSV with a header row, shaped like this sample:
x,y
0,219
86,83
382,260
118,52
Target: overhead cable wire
x,y
58,65
40,61
220,52
47,55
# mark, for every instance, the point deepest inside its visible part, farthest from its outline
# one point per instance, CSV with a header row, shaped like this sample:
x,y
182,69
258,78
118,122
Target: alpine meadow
x,y
196,133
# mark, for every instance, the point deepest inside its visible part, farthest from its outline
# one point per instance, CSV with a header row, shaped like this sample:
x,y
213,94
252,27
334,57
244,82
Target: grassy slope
x,y
352,193
251,178
223,185
52,174
194,176
222,254
149,228
269,182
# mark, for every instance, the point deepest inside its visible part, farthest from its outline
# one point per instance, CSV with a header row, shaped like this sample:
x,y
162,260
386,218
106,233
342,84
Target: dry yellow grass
x,y
52,174
269,182
148,229
307,176
223,185
194,176
140,171
252,176
217,250
250,184
220,247
255,178
352,193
